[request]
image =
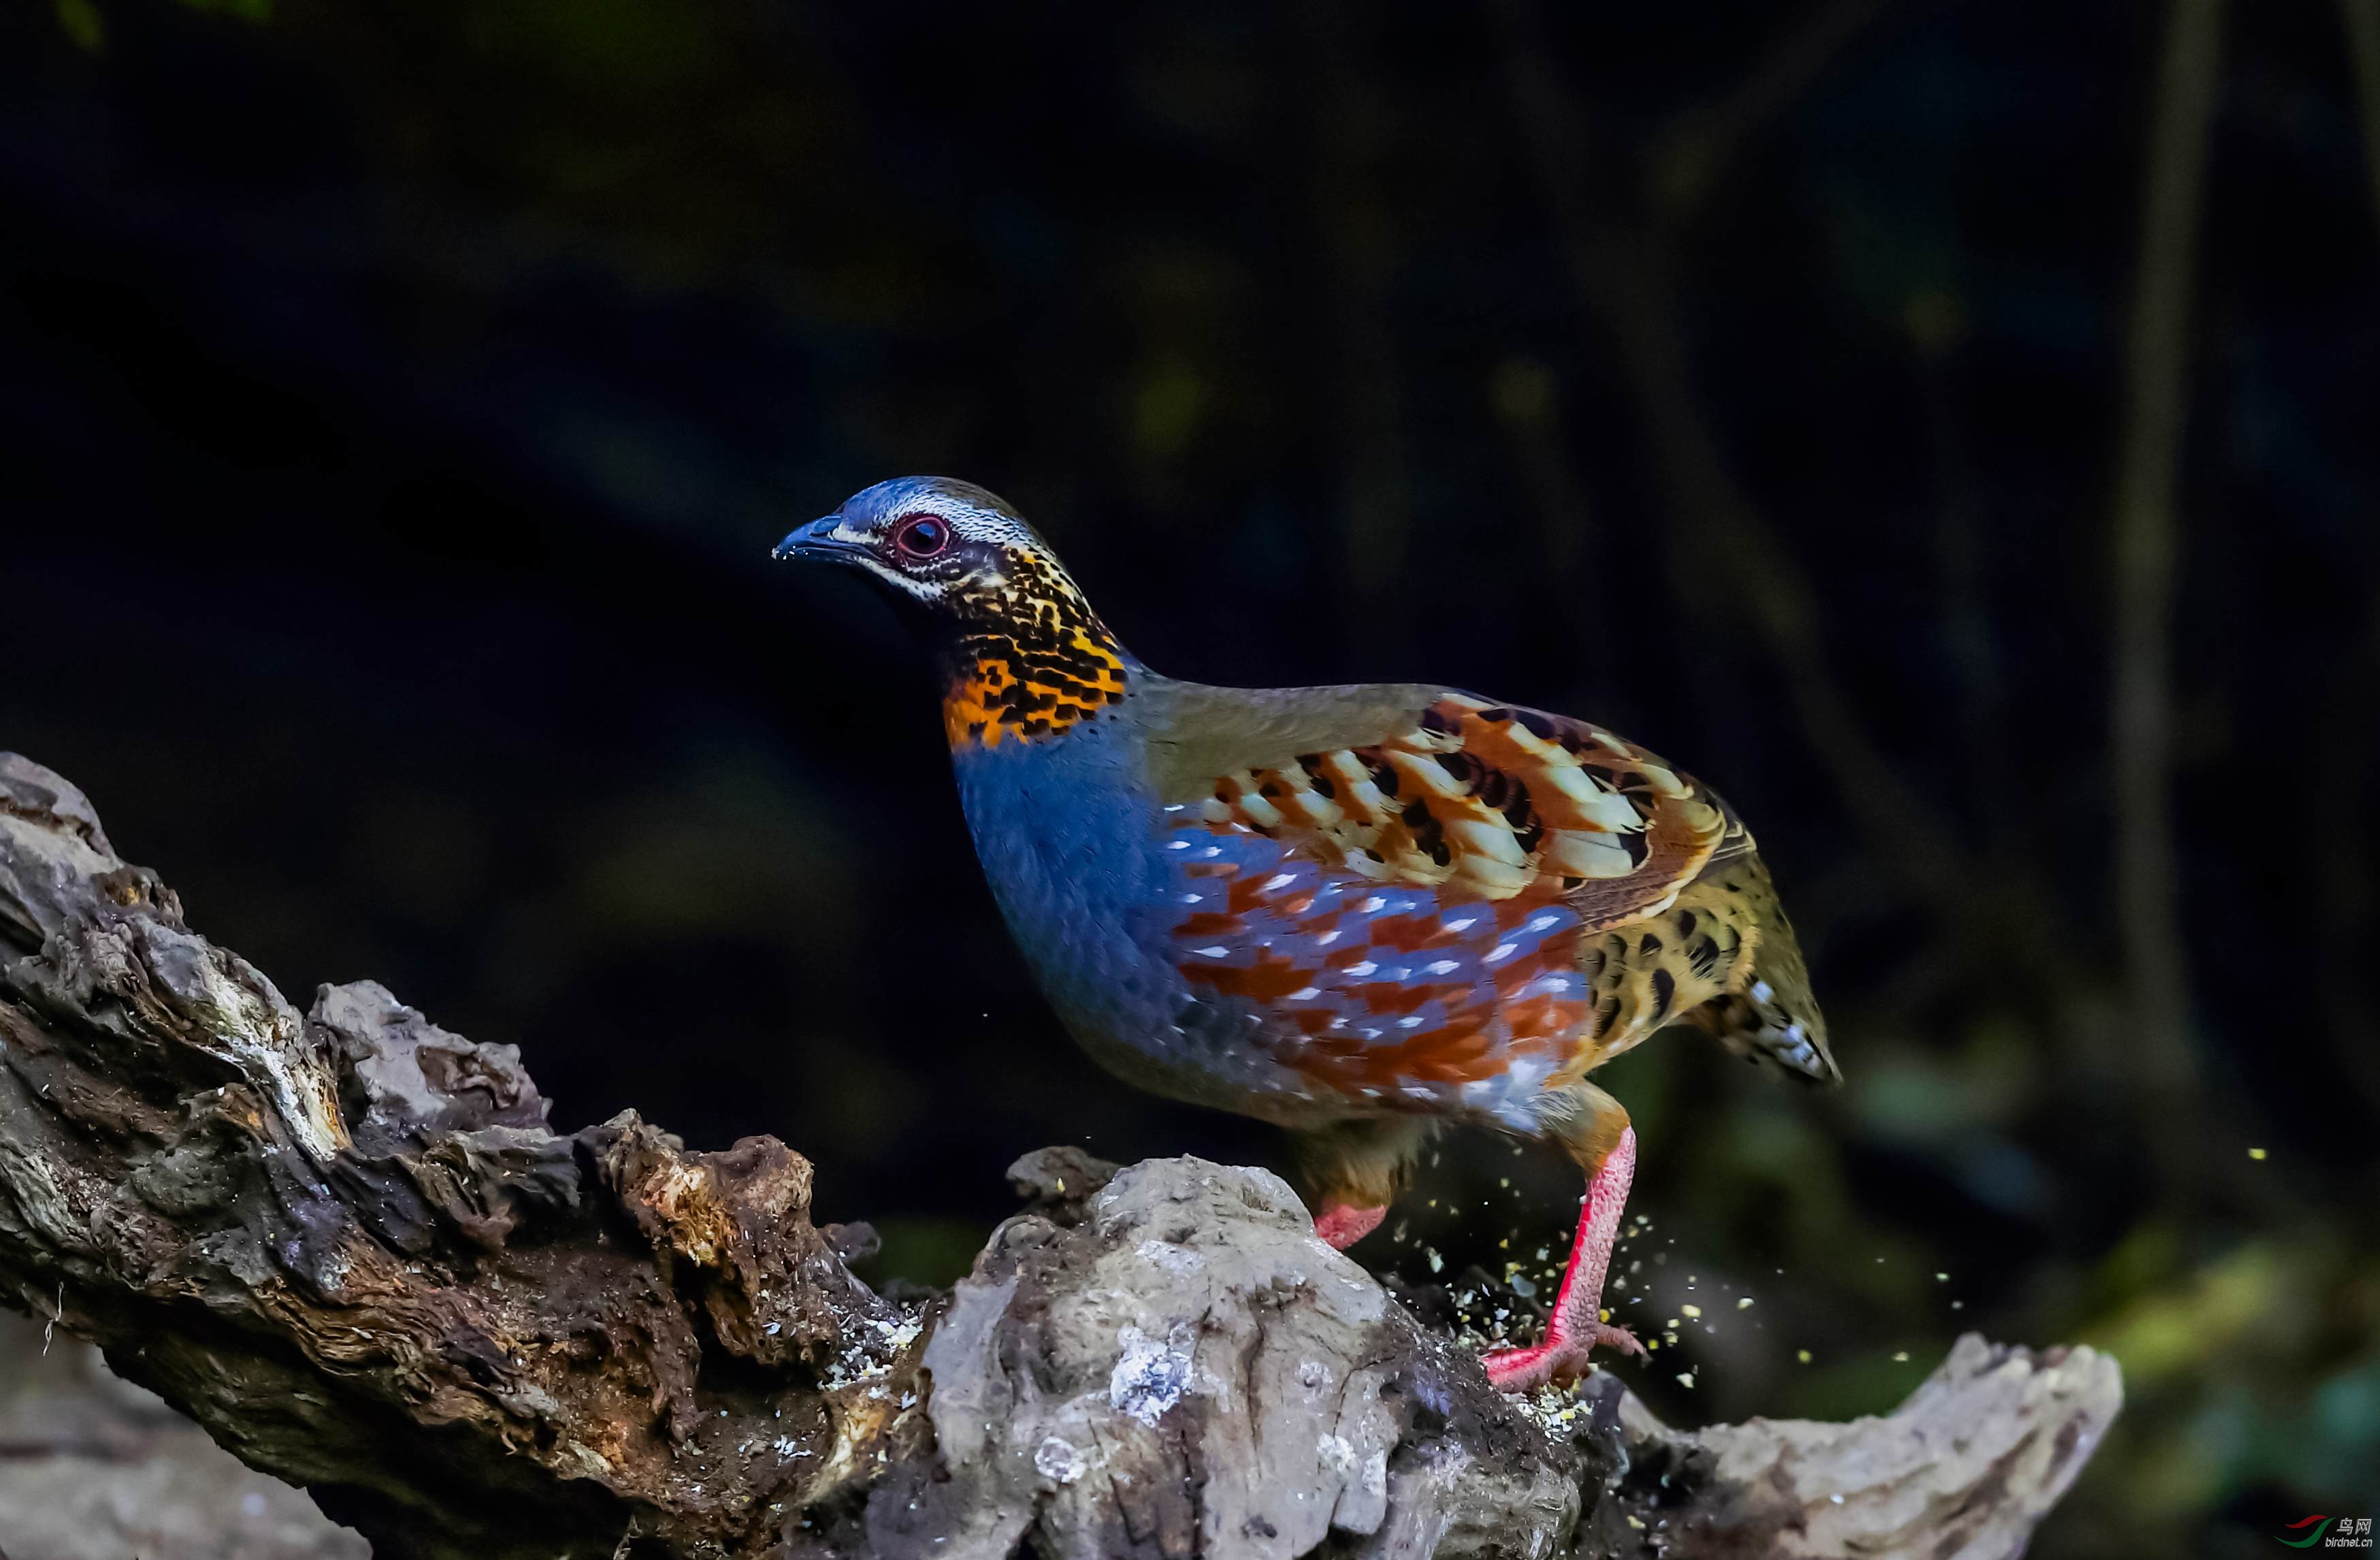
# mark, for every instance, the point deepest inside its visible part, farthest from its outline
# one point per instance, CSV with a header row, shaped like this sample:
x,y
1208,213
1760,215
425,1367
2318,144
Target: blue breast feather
x,y
1081,861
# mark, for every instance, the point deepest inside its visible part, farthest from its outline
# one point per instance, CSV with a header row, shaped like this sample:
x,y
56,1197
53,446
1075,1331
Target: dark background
x,y
399,403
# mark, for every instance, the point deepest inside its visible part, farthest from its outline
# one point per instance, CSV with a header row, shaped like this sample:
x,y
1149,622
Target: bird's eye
x,y
922,536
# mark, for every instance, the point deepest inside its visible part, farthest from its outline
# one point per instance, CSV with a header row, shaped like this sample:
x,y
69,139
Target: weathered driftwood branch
x,y
349,1246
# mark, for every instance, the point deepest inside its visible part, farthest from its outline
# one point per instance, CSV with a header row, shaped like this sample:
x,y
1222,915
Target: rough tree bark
x,y
348,1245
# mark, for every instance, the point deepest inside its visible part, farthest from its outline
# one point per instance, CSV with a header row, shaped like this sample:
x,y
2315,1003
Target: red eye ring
x,y
922,536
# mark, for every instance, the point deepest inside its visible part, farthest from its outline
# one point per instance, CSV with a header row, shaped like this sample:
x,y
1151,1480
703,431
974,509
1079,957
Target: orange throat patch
x,y
1031,681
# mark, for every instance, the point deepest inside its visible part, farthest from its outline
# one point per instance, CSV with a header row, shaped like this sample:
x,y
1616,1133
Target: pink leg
x,y
1577,1324
1342,1227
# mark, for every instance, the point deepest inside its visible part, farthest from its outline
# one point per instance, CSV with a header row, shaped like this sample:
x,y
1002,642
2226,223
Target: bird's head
x,y
960,553
1022,649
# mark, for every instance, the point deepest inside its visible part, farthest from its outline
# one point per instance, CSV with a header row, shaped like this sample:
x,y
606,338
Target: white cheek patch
x,y
921,589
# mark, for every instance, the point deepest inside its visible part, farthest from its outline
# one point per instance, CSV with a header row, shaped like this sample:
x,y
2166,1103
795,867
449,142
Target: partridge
x,y
1357,912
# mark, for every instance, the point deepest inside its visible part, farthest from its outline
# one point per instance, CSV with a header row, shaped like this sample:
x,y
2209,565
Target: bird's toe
x,y
1558,1361
1613,1335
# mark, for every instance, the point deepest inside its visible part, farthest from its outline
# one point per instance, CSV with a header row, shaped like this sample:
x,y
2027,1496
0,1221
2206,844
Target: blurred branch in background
x,y
2362,22
2344,899
1963,548
1695,151
2348,900
1527,401
1350,129
2146,550
1619,274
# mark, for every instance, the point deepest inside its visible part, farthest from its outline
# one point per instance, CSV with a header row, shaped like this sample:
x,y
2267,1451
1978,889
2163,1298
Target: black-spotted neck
x,y
1028,660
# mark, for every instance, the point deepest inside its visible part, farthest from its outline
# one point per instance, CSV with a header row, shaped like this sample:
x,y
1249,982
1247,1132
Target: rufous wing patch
x,y
1491,802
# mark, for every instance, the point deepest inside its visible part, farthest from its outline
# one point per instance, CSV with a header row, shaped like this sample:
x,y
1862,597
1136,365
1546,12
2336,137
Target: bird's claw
x,y
1558,1361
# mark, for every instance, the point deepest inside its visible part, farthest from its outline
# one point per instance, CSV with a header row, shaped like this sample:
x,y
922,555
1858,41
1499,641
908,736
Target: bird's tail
x,y
1767,1015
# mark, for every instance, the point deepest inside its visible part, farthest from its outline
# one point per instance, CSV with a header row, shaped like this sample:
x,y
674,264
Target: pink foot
x,y
1556,1362
1577,1324
1342,1227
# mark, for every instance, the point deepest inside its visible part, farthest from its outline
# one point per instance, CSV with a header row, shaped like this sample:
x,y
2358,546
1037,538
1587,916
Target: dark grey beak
x,y
815,540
